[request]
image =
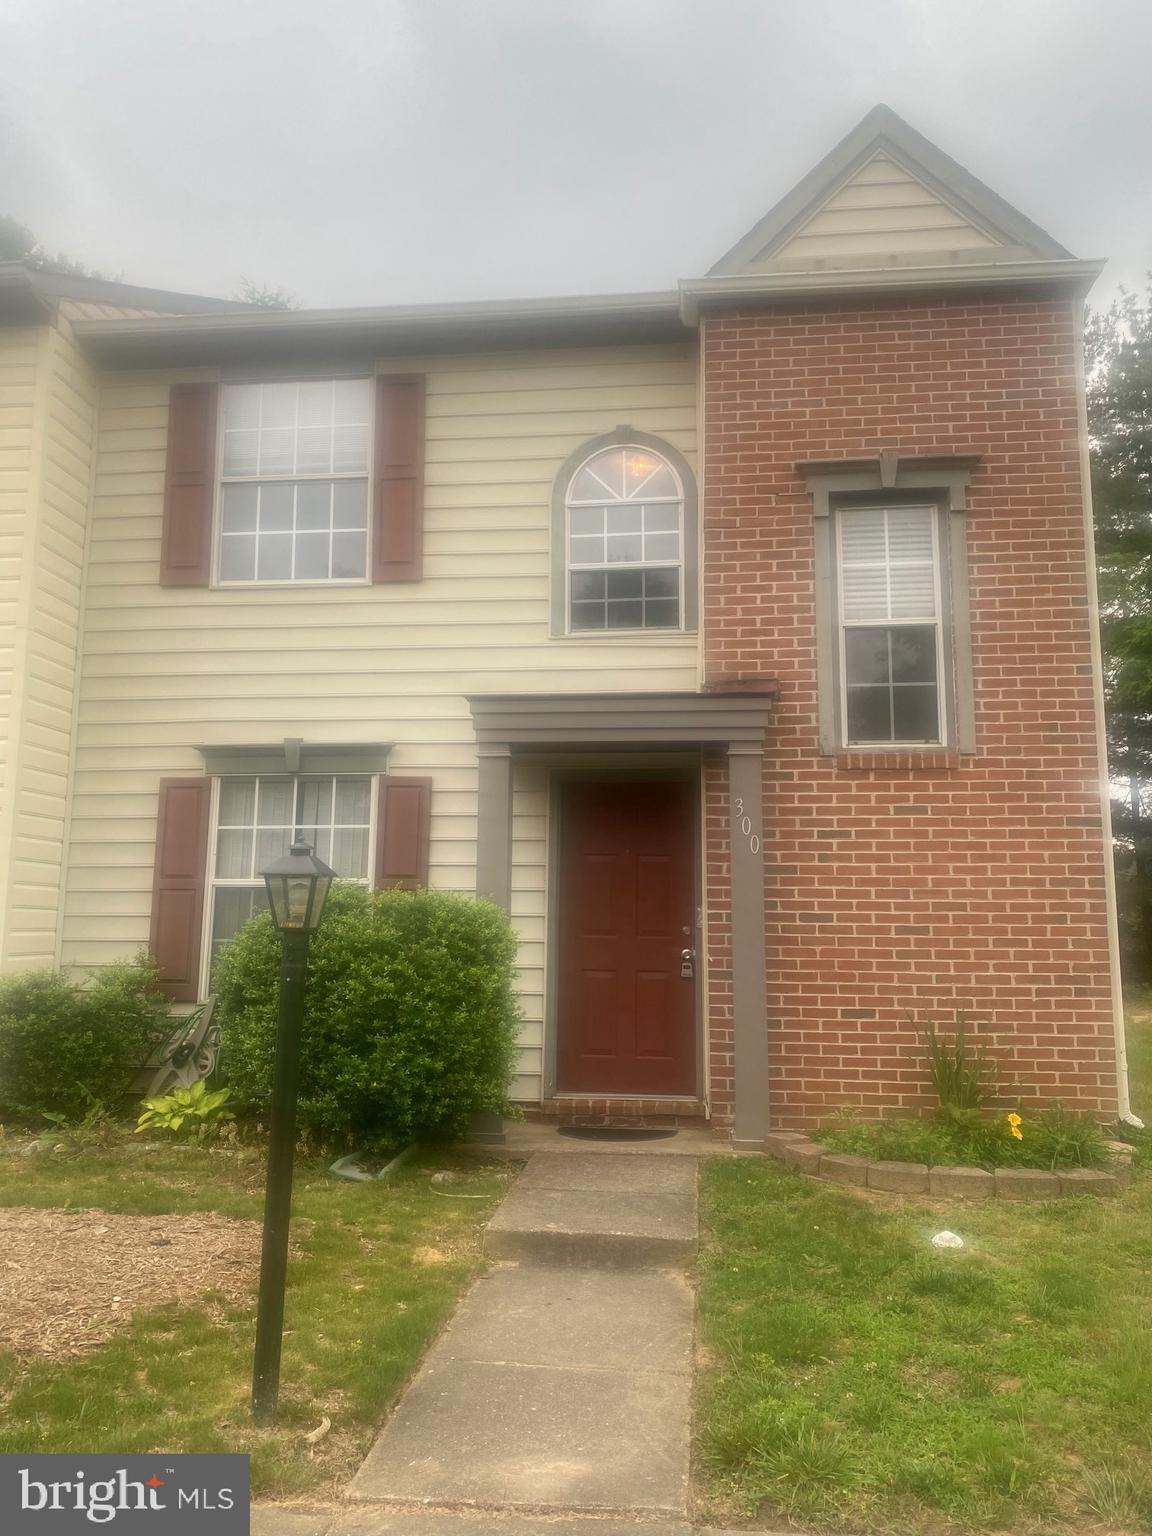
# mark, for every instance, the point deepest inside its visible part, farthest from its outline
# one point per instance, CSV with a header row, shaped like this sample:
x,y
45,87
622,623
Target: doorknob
x,y
688,963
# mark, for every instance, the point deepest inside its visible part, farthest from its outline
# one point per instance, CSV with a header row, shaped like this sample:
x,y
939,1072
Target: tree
x,y
18,243
1118,344
264,296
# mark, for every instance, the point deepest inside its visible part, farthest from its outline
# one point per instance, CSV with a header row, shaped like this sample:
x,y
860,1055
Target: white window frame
x,y
310,582
843,625
680,564
211,883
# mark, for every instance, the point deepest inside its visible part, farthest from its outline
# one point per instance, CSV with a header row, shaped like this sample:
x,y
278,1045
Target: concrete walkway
x,y
275,1520
563,1384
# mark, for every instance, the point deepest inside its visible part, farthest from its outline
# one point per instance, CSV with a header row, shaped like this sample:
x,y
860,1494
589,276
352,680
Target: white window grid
x,y
252,880
635,515
325,446
936,620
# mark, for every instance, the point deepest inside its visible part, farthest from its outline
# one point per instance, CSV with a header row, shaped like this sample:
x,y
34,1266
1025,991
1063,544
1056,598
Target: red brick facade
x,y
897,883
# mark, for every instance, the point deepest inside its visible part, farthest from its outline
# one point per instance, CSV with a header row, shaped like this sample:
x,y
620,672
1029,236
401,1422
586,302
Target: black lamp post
x,y
298,887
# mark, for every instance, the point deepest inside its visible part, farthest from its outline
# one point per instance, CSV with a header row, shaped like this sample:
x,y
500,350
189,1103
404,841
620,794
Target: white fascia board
x,y
696,292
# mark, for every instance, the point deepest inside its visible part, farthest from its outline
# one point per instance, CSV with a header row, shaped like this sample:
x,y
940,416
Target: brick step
x,y
621,1114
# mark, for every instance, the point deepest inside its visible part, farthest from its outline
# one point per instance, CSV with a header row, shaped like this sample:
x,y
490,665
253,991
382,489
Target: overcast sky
x,y
403,151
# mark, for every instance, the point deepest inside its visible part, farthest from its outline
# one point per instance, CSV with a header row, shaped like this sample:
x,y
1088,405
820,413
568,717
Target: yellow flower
x,y
1018,1133
1014,1120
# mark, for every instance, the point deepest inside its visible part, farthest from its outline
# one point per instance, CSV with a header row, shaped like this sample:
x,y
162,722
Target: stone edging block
x,y
899,1178
843,1168
804,1155
810,1157
968,1183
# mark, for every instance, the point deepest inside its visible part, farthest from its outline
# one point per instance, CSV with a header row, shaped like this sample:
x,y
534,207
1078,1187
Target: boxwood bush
x,y
409,1022
63,1045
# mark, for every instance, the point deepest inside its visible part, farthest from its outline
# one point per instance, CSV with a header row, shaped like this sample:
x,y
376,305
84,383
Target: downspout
x,y
1124,1103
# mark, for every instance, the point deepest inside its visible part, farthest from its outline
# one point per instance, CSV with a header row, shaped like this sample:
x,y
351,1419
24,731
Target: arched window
x,y
625,541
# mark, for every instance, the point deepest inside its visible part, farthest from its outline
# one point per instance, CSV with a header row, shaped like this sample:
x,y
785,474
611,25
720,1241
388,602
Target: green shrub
x,y
63,1046
409,1024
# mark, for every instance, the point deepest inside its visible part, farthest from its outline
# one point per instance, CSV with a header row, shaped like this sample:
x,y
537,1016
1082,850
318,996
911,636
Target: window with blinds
x,y
257,820
888,568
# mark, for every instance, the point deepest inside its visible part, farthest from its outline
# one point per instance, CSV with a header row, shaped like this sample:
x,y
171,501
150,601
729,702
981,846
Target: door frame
x,y
682,768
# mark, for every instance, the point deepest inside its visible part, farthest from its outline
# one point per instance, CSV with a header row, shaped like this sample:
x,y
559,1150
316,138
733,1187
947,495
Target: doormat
x,y
618,1132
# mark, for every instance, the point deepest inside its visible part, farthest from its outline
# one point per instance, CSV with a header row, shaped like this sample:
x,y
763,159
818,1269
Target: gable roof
x,y
886,197
883,211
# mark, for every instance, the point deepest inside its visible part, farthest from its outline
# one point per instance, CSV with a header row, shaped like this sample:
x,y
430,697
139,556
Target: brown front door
x,y
627,905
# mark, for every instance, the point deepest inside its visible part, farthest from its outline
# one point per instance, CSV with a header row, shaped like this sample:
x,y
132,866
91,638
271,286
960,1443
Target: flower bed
x,y
895,1176
1053,1138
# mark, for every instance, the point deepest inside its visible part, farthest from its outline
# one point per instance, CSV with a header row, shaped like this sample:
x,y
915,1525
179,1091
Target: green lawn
x,y
1140,1051
378,1270
860,1378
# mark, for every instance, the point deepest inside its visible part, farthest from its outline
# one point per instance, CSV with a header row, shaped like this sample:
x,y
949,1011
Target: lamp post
x,y
298,887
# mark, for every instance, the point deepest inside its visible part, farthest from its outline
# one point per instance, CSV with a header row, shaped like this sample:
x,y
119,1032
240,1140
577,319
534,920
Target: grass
x,y
859,1378
378,1271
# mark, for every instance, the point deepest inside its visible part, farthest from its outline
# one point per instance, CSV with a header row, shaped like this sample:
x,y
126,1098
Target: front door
x,y
626,1005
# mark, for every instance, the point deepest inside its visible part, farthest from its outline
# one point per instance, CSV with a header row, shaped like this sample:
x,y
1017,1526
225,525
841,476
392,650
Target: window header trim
x,y
948,475
295,756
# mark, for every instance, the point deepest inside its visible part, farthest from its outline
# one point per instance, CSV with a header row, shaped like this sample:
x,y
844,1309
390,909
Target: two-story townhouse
x,y
739,640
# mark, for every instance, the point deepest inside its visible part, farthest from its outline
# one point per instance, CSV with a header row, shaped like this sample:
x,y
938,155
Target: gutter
x,y
697,292
394,327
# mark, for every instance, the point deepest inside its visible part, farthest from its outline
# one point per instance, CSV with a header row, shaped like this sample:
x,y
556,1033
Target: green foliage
x,y
1053,1138
1118,343
410,1018
195,1113
63,1046
963,1074
96,1131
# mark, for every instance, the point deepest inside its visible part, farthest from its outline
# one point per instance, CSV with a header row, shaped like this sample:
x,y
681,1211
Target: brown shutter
x,y
178,885
403,820
398,495
186,548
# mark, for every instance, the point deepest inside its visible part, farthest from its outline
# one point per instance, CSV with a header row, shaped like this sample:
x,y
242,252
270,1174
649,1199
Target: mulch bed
x,y
70,1279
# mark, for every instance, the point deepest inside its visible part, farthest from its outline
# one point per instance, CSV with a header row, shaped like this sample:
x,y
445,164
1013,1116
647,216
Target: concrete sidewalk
x,y
563,1384
339,1520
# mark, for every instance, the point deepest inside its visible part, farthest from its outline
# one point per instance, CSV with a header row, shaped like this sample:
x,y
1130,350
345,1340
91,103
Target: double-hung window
x,y
891,640
625,542
294,481
257,820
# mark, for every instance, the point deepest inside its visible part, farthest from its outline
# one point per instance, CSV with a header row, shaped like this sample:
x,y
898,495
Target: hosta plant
x,y
196,1112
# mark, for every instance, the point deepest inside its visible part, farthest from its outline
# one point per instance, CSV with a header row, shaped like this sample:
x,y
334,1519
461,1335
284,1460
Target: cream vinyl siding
x,y
168,670
883,214
19,404
45,489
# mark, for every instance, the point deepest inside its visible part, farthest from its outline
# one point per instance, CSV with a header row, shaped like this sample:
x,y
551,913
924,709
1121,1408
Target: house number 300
x,y
746,826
